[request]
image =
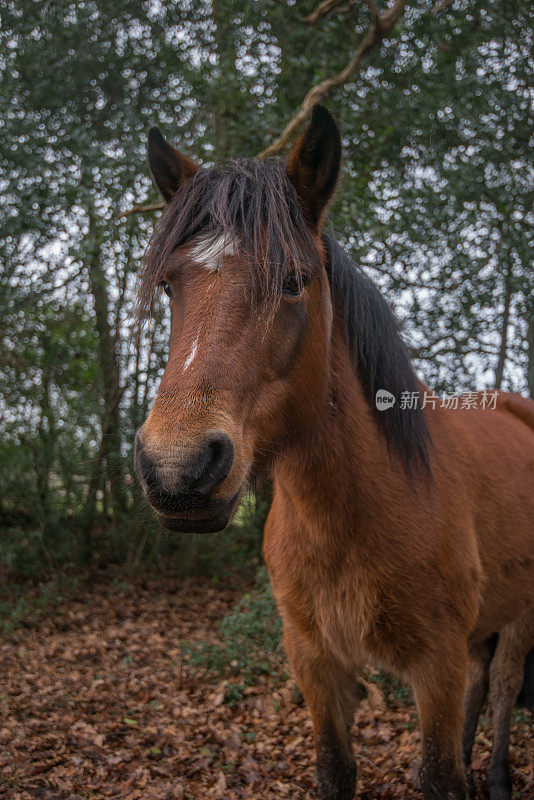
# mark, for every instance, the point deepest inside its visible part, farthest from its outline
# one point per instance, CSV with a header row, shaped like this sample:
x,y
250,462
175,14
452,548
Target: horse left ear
x,y
313,165
168,166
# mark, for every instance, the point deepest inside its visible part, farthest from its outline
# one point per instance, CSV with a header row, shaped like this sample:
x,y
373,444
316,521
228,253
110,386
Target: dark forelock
x,y
250,202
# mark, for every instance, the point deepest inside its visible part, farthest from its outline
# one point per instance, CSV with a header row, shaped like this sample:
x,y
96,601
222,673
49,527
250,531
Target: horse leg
x,y
336,767
331,697
506,679
475,695
439,691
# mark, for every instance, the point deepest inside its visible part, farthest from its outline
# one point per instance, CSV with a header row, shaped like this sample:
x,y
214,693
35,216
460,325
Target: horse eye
x,y
292,286
166,288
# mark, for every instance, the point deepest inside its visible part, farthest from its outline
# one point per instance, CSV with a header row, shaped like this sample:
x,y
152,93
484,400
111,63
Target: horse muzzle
x,y
181,483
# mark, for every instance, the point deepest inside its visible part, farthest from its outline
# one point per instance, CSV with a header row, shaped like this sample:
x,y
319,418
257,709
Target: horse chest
x,y
333,619
342,629
328,600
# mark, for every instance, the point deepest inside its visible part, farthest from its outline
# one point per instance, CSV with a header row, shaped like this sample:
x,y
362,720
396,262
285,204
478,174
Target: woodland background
x,y
435,203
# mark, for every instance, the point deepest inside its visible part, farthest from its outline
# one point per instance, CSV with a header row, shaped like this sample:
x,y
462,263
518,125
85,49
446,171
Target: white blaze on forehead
x,y
211,252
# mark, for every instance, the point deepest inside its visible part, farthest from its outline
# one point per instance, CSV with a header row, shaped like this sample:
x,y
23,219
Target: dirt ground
x,y
96,702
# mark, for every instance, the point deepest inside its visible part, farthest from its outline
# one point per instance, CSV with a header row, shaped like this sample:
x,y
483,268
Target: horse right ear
x,y
168,166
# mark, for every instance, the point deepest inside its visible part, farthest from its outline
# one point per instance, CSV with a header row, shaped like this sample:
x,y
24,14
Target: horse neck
x,y
340,463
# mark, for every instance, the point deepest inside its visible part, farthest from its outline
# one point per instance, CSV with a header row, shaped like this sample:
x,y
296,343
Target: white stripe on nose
x,y
192,353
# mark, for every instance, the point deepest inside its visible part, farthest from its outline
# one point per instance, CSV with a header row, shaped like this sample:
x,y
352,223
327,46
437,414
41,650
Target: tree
x,y
435,202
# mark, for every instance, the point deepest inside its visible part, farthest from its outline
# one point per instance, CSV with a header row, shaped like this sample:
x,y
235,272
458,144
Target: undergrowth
x,y
393,689
251,638
22,606
28,593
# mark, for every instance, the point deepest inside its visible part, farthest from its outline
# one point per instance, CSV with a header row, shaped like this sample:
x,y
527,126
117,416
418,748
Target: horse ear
x,y
168,166
313,165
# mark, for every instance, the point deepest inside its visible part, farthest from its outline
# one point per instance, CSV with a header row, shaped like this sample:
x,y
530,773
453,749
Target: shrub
x,y
251,635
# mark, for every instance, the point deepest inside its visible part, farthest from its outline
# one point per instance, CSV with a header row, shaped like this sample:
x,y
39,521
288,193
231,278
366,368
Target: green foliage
x,y
251,640
254,623
393,689
521,715
440,159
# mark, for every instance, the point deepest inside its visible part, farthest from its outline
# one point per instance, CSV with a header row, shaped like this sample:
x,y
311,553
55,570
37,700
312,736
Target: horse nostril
x,y
217,456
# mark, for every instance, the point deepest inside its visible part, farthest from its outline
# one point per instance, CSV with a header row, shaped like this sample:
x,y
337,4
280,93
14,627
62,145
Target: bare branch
x,y
139,210
380,28
324,8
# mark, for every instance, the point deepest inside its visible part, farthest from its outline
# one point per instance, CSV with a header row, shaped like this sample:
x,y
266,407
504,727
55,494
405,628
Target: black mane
x,y
381,359
255,203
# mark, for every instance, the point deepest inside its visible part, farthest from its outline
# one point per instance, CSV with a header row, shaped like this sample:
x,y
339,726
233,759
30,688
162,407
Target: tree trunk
x,y
43,460
95,482
499,370
530,351
109,369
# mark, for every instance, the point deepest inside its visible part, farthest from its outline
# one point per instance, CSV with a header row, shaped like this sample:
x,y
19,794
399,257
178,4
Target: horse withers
x,y
397,536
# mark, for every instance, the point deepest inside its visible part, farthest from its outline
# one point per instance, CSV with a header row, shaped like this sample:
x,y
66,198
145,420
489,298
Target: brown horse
x,y
402,537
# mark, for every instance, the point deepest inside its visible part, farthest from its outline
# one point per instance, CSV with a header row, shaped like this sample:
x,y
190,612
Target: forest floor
x,y
97,702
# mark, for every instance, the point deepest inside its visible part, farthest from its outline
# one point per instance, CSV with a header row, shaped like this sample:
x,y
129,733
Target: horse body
x,y
398,537
468,530
463,572
502,474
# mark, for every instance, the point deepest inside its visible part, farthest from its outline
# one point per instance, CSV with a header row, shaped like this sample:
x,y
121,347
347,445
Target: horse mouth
x,y
216,516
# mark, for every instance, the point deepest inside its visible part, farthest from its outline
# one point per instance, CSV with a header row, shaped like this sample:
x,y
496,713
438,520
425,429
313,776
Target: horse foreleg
x,y
475,695
439,691
331,697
